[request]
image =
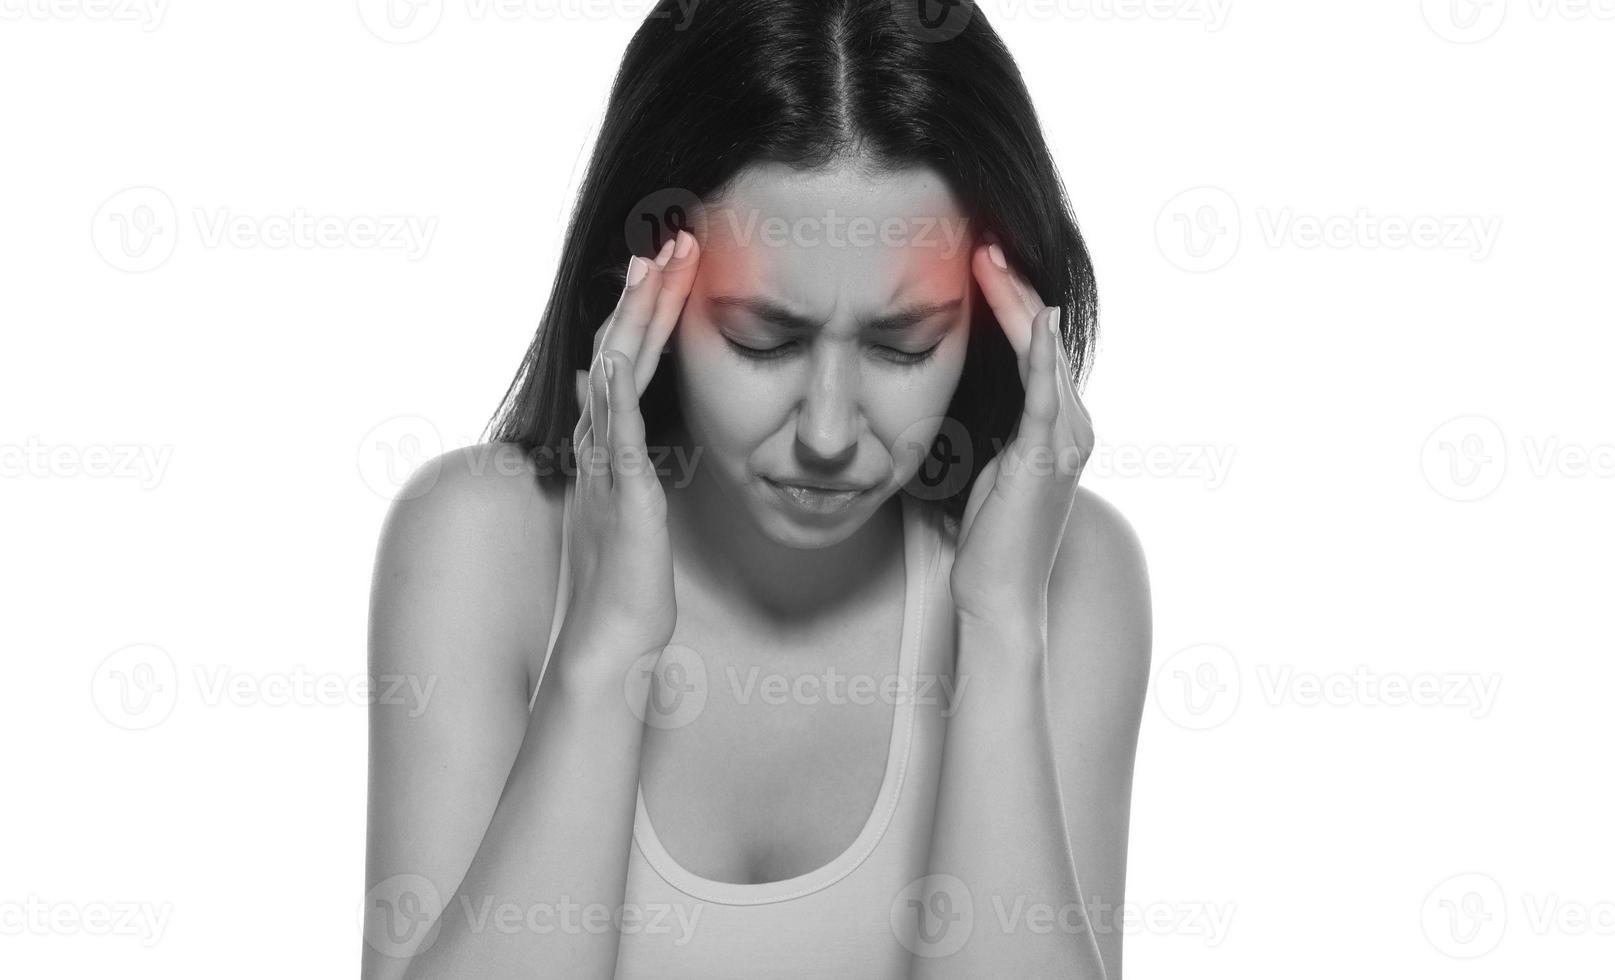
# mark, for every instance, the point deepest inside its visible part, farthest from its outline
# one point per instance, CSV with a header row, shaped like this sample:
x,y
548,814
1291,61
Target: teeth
x,y
818,498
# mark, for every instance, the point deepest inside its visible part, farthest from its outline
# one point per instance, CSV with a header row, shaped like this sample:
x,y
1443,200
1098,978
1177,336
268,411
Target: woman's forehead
x,y
800,236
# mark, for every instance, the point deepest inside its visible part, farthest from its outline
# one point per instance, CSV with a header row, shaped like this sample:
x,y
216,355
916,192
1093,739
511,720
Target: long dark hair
x,y
706,89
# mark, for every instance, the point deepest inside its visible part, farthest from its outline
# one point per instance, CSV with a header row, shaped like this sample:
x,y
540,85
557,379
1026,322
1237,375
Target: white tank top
x,y
849,917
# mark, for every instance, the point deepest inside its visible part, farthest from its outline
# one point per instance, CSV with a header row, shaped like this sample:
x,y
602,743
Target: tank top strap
x,y
563,589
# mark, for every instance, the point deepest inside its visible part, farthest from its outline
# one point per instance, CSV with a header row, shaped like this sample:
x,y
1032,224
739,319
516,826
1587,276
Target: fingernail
x,y
686,241
664,255
607,367
1054,324
638,269
997,255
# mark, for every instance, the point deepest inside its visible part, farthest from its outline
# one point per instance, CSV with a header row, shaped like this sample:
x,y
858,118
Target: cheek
x,y
726,405
908,415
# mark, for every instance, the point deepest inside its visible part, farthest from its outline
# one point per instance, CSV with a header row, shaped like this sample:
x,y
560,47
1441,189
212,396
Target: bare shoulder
x,y
1099,609
473,539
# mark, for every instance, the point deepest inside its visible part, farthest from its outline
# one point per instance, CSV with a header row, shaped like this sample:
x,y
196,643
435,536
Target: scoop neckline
x,y
892,779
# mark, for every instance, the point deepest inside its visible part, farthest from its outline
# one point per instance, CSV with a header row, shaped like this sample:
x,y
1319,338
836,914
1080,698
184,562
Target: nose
x,y
829,420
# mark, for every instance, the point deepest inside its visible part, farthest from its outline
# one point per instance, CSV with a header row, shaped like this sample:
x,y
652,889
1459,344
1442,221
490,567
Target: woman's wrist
x,y
593,664
1000,651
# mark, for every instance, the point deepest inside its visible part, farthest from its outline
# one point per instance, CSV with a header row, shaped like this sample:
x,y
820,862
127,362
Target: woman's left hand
x,y
1015,518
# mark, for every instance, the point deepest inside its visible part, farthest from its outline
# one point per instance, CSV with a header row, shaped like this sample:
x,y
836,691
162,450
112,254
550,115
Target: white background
x,y
198,455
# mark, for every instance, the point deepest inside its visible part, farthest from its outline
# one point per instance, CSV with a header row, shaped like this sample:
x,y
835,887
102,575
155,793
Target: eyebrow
x,y
780,316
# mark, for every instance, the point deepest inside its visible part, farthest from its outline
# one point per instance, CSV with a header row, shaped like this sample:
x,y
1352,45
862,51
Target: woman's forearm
x,y
1000,842
543,895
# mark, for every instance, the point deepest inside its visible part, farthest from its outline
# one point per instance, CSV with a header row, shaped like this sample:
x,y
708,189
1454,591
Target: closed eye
x,y
903,357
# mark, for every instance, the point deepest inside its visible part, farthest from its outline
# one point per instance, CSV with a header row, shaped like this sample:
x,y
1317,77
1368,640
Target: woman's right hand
x,y
621,557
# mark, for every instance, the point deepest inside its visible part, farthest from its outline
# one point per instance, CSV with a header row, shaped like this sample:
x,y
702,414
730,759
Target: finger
x,y
625,431
677,279
1014,304
624,330
1073,413
1042,406
581,379
596,468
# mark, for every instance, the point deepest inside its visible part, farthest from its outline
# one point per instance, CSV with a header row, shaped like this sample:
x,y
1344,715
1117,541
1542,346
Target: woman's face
x,y
822,341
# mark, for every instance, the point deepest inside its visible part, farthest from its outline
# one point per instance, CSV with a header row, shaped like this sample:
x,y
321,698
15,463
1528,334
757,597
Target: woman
x,y
843,671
